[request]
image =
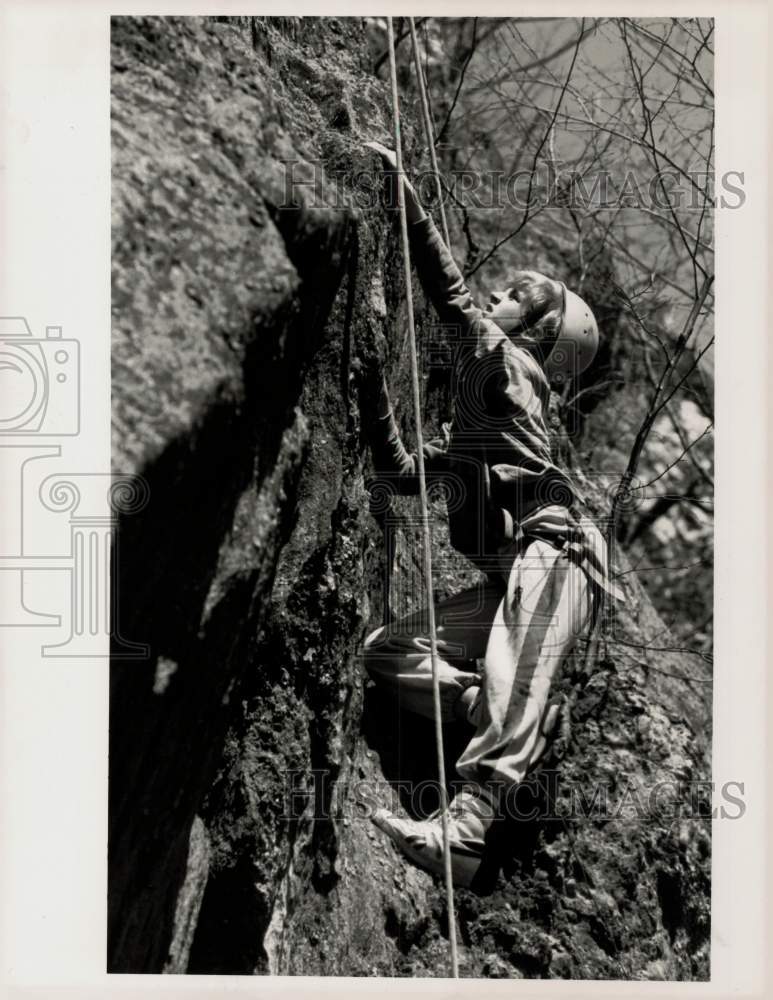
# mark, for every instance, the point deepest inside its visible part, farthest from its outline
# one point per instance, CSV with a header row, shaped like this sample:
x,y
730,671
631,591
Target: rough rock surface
x,y
245,336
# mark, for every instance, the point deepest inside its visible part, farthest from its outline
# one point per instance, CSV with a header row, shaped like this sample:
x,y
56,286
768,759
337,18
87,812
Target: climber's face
x,y
505,308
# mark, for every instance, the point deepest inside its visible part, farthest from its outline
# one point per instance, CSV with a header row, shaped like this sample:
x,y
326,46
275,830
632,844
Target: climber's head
x,y
543,316
532,302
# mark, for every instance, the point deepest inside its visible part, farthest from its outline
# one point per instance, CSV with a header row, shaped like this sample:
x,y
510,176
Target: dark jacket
x,y
495,462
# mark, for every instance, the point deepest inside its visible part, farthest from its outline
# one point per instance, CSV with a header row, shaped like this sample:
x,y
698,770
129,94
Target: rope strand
x,y
423,501
429,131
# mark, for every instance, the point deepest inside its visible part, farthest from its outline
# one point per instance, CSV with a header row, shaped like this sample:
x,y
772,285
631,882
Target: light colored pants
x,y
523,623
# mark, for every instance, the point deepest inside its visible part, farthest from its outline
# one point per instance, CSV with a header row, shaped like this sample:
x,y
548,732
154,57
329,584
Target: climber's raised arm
x,y
438,272
441,278
413,210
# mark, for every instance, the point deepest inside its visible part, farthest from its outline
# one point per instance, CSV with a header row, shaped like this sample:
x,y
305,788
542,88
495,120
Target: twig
x,y
470,53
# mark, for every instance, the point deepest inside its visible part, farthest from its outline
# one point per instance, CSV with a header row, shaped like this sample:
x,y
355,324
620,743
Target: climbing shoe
x,y
469,816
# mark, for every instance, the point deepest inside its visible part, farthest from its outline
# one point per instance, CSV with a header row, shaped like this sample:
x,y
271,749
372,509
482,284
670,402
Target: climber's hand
x,y
389,164
413,207
388,156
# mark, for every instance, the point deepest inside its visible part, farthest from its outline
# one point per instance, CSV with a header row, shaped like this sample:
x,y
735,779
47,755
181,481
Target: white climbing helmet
x,y
577,341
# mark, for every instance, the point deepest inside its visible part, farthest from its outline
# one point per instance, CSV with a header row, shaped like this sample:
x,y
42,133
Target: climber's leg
x,y
546,606
397,656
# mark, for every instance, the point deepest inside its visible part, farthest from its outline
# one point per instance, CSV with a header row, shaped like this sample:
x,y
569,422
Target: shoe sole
x,y
469,858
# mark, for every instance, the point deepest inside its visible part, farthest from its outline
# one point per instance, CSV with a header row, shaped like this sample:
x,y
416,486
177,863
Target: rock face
x,y
254,279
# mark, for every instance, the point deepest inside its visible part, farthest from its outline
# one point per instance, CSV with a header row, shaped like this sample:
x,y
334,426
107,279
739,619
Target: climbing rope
x,y
423,499
429,132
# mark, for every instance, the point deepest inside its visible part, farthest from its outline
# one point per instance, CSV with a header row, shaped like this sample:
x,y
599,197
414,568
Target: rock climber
x,y
512,513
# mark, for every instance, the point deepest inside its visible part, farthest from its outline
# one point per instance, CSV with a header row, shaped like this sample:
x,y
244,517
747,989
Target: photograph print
x,y
412,370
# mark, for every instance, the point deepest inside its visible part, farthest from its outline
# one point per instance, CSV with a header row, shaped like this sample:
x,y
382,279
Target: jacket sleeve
x,y
440,277
396,467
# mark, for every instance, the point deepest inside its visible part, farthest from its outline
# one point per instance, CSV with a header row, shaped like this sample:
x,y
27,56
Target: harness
x,y
577,537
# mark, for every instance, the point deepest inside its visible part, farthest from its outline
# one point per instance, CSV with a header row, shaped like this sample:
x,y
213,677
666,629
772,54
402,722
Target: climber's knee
x,y
373,636
386,655
373,651
377,656
387,641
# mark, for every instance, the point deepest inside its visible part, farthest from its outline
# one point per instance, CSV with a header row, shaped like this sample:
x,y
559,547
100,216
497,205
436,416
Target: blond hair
x,y
543,304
